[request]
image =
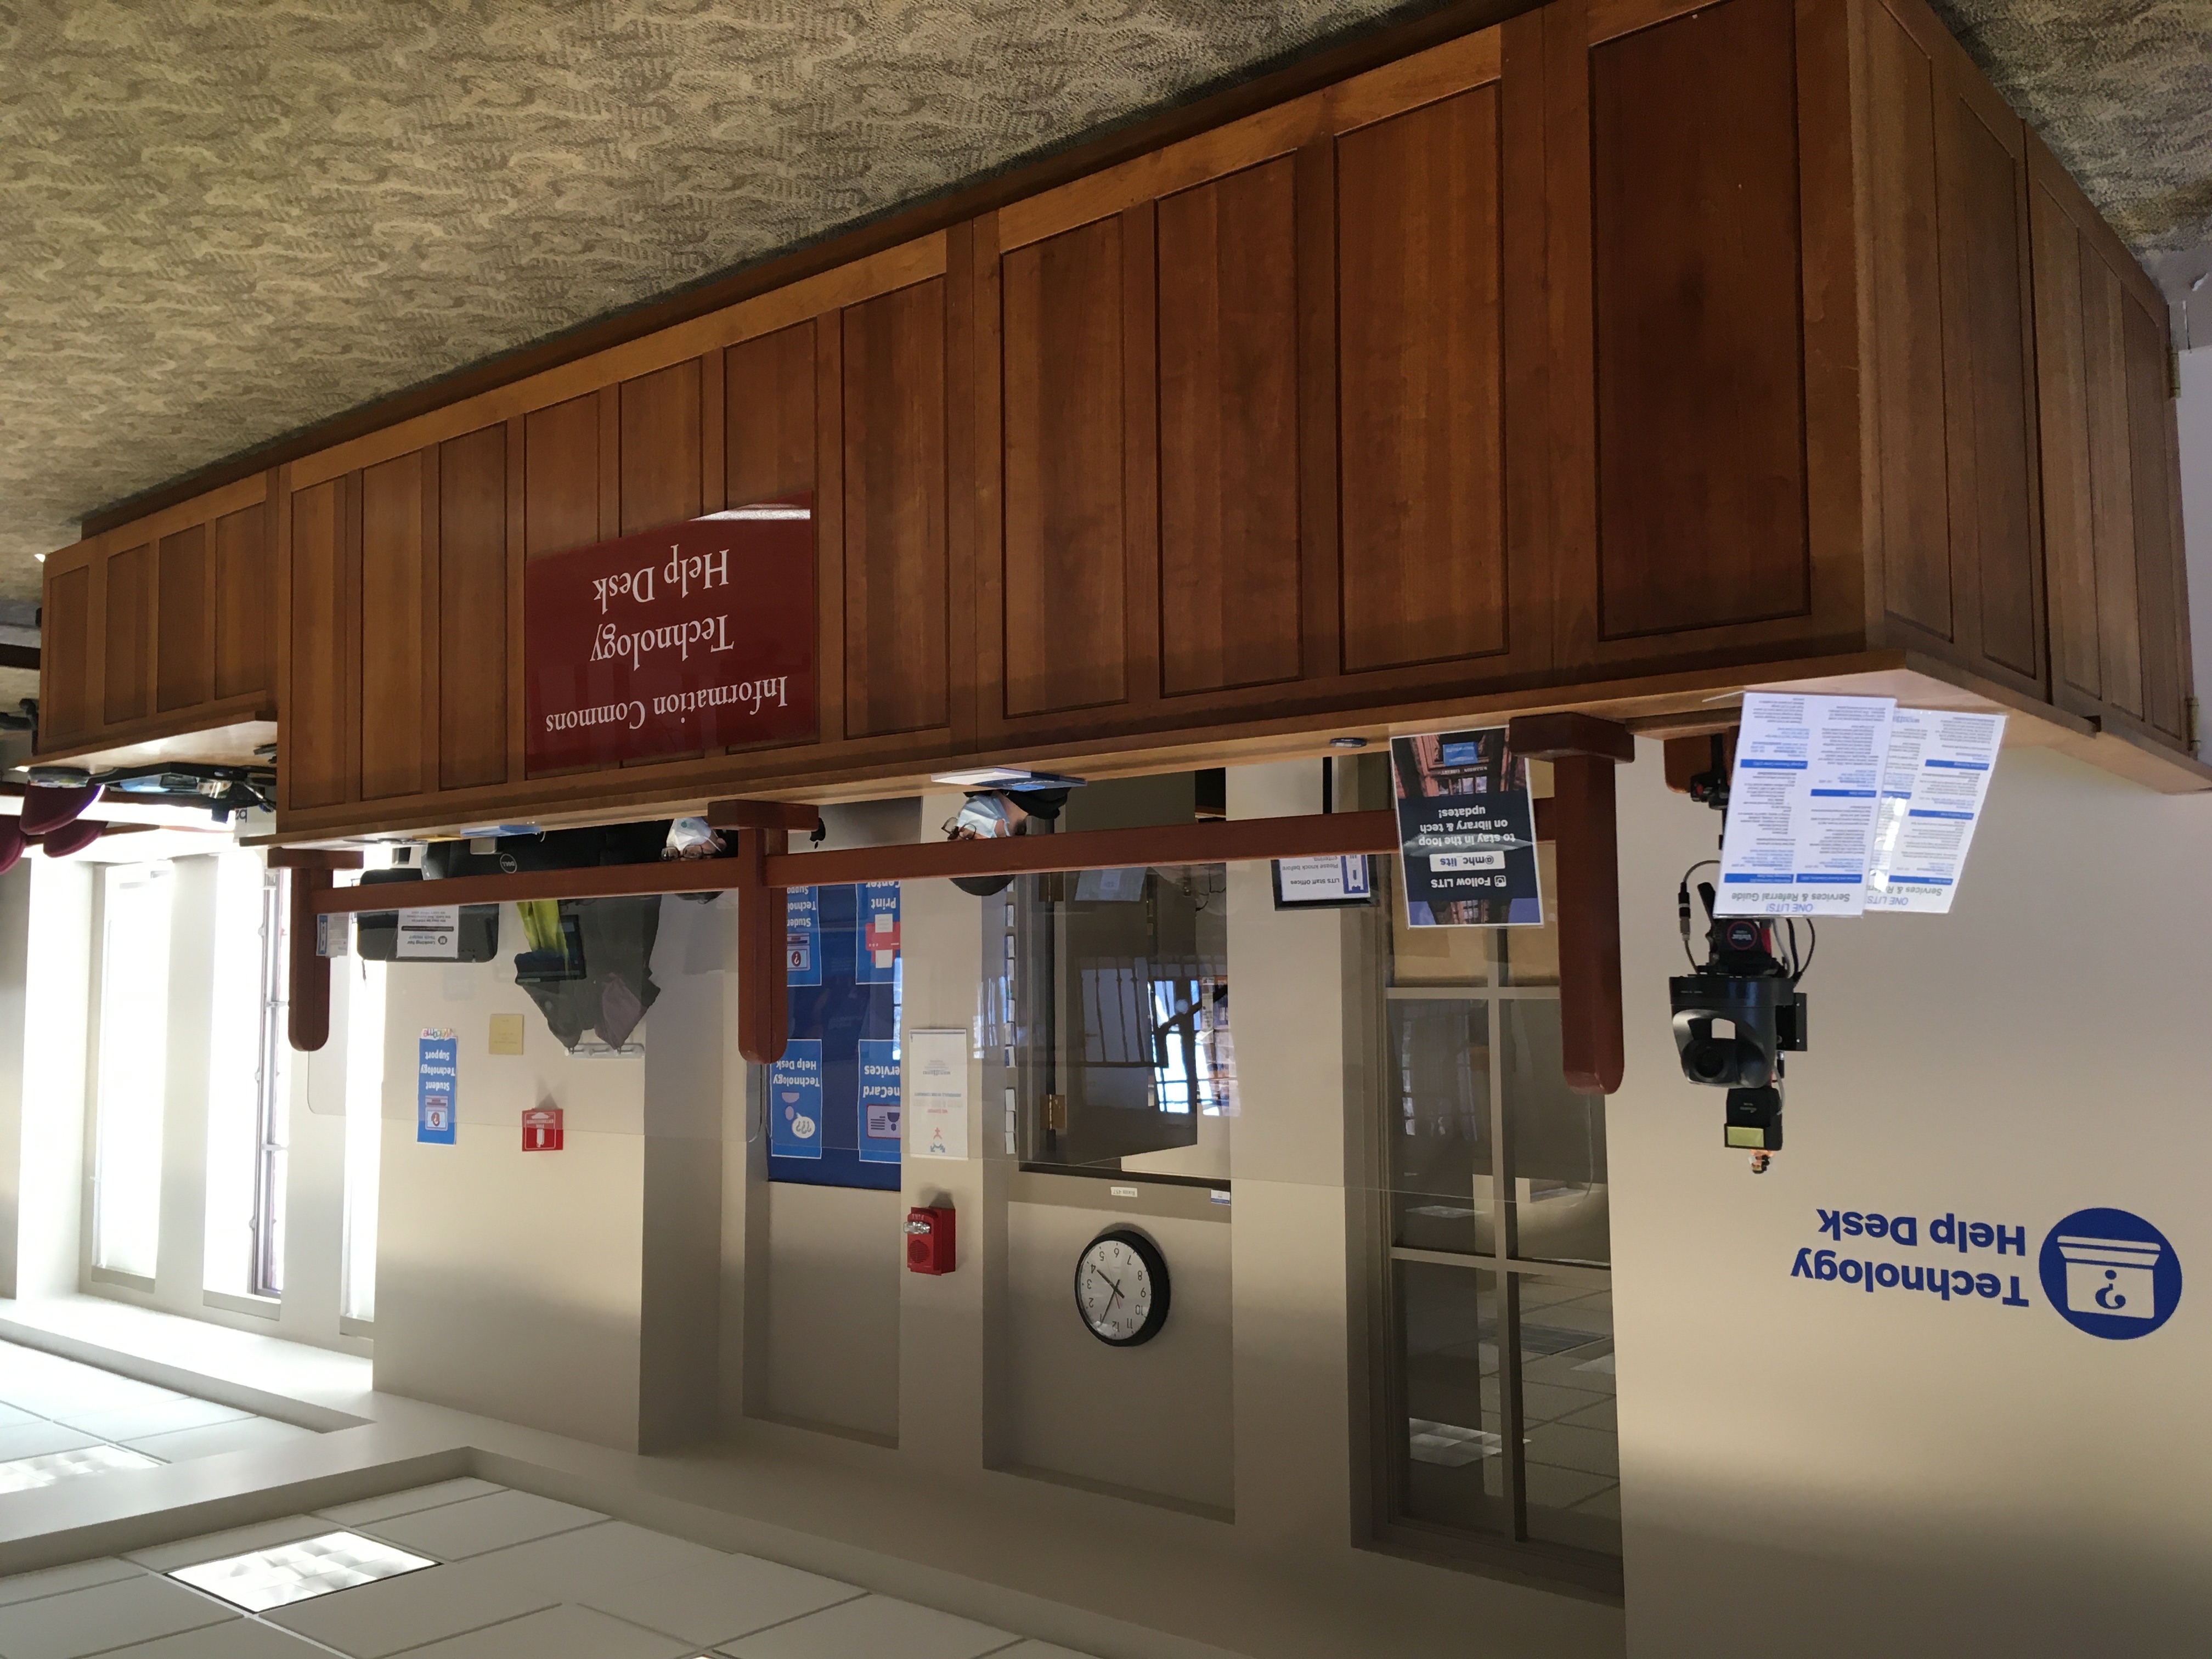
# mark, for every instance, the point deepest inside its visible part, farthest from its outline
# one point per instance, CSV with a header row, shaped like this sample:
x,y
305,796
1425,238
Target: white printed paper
x,y
1802,805
1932,789
937,1093
431,933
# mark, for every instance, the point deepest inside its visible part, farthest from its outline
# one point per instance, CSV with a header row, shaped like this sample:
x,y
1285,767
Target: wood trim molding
x,y
829,291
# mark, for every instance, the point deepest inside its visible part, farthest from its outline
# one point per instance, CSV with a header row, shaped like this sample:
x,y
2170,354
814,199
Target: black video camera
x,y
1735,1018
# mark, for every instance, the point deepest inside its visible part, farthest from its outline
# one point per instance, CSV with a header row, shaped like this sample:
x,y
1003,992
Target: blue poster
x,y
802,935
795,1100
878,945
437,1073
880,1101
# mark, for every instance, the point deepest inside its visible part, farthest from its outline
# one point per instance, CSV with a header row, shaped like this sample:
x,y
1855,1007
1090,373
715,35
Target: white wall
x,y
1811,1469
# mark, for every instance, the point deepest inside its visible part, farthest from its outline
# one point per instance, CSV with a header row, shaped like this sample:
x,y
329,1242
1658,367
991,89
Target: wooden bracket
x,y
795,818
763,975
1583,750
308,1022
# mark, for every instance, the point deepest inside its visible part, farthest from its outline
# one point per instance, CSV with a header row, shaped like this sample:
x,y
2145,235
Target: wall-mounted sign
x,y
430,932
802,935
437,1075
794,1101
697,635
1466,831
878,1138
2107,1273
1325,883
878,949
938,1091
543,1129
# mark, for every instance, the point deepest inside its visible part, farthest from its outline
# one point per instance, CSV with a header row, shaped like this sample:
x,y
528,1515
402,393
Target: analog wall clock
x,y
1121,1287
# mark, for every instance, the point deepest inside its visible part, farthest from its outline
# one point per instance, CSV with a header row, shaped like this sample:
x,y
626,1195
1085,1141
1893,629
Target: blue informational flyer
x,y
1466,831
437,1075
880,1101
802,935
877,947
794,1101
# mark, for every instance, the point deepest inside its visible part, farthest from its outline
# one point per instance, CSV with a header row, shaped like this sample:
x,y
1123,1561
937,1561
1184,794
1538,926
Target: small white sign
x,y
1335,880
1932,789
937,1093
1801,800
431,933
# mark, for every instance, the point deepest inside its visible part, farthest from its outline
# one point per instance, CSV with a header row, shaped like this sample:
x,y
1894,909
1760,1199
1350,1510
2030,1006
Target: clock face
x,y
1121,1287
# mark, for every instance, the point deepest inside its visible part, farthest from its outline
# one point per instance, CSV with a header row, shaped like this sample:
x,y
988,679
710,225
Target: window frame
x,y
1514,1554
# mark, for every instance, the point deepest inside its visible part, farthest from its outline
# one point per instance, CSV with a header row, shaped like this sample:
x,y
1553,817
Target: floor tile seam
x,y
761,1629
33,1601
416,1647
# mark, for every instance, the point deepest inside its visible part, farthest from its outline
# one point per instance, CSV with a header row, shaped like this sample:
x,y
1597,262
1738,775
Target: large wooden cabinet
x,y
1628,349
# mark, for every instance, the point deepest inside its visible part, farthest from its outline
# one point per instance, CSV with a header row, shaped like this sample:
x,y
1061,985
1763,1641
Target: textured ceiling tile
x,y
221,220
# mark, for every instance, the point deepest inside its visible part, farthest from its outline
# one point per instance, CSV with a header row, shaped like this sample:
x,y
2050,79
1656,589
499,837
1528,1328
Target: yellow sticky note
x,y
506,1034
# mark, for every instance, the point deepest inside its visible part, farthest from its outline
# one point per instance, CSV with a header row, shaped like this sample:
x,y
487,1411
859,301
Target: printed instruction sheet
x,y
1933,786
1802,805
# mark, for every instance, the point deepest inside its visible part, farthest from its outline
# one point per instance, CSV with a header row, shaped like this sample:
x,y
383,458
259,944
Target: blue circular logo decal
x,y
2110,1273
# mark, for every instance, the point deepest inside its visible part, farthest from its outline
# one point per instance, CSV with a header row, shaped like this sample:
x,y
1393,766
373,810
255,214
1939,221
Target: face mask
x,y
982,816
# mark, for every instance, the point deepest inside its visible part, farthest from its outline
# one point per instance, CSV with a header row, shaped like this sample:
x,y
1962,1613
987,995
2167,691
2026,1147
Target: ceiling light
x,y
760,514
1347,742
26,1473
262,1579
1005,777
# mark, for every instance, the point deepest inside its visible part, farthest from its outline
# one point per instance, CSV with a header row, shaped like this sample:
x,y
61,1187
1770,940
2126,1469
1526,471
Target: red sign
x,y
542,1129
696,635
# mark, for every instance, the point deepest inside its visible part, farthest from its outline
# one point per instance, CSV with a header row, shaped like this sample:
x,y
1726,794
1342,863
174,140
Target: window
x,y
131,1067
1496,1410
271,1116
1108,1021
364,1133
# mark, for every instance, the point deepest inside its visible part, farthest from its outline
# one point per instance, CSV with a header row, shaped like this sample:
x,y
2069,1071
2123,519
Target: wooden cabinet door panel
x,y
128,623
183,621
1066,574
1995,536
1228,317
2162,592
472,584
1957,550
66,714
894,551
2111,487
2063,417
1421,385
561,476
315,753
769,425
244,610
1701,489
660,471
398,570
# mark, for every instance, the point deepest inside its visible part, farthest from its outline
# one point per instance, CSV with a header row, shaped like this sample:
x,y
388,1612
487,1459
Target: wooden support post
x,y
1583,750
763,1000
308,1022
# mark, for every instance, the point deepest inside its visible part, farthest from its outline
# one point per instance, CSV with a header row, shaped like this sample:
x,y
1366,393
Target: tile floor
x,y
514,1577
61,1420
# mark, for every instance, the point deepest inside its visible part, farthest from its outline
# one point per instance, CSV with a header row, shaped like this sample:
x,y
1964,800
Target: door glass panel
x,y
1557,1140
1567,1420
1439,1124
1451,1472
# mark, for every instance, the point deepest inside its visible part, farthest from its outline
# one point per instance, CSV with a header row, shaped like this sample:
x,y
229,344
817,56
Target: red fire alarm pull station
x,y
541,1129
929,1240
